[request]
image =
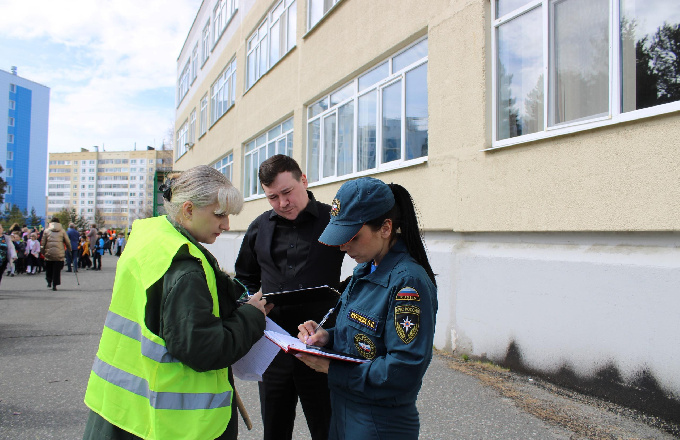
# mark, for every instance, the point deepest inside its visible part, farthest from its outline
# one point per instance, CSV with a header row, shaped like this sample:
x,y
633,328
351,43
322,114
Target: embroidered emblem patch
x,y
407,322
335,207
357,317
365,346
407,294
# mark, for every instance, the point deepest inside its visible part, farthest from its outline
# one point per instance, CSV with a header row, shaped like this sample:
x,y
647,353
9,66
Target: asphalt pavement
x,y
48,341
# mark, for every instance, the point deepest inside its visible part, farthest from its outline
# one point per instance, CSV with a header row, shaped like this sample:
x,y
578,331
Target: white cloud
x,y
98,58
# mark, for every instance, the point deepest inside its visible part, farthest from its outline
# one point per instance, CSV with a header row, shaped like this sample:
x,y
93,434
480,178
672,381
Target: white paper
x,y
261,354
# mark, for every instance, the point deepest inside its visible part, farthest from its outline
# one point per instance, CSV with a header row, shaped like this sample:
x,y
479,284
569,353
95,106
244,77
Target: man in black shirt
x,y
280,252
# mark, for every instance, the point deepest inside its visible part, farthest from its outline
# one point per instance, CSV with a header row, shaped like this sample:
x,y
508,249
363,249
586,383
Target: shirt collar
x,y
311,209
382,273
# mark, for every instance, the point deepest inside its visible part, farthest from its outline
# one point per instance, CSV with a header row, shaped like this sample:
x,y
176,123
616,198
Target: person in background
x,y
174,326
32,254
120,244
84,248
53,242
7,252
72,257
97,252
20,249
280,251
386,314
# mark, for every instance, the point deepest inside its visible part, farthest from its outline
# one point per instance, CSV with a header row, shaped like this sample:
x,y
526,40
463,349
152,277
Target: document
x,y
300,296
289,343
261,354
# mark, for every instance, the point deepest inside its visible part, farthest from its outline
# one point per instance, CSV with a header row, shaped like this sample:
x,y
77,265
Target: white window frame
x,y
615,114
10,138
10,121
12,104
222,14
10,155
181,141
183,83
203,121
328,6
226,165
12,88
277,140
194,63
191,138
258,50
352,93
205,43
223,92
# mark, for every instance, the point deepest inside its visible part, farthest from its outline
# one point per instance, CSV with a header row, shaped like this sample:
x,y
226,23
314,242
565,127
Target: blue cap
x,y
357,202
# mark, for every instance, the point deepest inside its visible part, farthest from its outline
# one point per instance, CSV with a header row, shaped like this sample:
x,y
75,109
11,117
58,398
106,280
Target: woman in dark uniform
x,y
386,314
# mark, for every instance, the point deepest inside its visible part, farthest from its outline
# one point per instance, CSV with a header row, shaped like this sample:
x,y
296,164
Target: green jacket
x,y
179,310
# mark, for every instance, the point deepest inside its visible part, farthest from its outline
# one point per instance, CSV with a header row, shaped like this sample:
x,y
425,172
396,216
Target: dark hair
x,y
404,218
275,165
55,220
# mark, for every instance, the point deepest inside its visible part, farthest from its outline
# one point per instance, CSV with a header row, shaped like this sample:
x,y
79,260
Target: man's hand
x,y
260,303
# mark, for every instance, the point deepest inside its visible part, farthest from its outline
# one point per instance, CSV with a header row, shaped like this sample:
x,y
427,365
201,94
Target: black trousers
x,y
3,266
53,272
286,380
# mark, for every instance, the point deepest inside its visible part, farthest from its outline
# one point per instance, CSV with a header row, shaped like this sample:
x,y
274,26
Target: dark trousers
x,y
286,380
96,260
3,266
53,272
72,259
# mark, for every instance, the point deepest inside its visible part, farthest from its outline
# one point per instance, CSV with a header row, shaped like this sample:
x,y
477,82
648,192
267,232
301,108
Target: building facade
x,y
117,187
24,106
540,141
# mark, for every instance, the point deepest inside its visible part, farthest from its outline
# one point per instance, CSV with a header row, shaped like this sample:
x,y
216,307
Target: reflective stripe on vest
x,y
131,329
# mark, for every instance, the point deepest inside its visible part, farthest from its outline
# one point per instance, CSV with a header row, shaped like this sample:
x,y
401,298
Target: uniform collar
x,y
311,209
383,272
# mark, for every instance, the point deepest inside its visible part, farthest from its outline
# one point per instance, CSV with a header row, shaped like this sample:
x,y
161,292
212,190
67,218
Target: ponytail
x,y
404,218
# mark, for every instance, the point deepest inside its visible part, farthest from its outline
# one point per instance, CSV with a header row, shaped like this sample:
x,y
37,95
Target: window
x,y
225,165
278,140
192,131
9,172
203,121
224,10
317,9
183,85
10,122
377,121
271,41
205,43
596,75
194,63
12,88
10,138
10,155
223,92
181,141
12,105
8,189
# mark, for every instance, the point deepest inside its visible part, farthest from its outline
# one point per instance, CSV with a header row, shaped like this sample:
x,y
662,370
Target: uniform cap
x,y
357,202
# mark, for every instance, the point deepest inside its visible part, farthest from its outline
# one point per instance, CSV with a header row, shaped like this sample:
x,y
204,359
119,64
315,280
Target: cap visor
x,y
337,235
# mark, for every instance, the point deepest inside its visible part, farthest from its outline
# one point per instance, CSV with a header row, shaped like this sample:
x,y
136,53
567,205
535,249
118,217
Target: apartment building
x,y
117,187
24,114
540,140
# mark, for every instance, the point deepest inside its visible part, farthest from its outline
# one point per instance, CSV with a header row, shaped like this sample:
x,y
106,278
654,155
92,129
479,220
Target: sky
x,y
111,66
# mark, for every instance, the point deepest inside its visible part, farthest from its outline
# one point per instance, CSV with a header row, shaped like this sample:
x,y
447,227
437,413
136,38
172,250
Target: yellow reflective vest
x,y
135,383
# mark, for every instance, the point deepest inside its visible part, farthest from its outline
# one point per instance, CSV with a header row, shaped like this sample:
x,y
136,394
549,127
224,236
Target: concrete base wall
x,y
597,309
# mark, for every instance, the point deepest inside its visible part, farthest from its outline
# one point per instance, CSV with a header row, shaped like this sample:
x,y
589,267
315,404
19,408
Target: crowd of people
x,y
28,250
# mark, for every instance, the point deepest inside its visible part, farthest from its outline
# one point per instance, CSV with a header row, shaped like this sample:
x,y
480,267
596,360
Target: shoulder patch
x,y
407,294
407,322
357,317
365,346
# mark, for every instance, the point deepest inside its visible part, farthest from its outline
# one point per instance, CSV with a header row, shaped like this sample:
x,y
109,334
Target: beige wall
x,y
622,177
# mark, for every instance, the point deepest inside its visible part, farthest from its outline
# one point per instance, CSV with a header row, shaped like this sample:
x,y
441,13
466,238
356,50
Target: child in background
x,y
98,252
84,260
32,254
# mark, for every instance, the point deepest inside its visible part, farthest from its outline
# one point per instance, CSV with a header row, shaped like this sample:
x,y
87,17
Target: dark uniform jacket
x,y
255,266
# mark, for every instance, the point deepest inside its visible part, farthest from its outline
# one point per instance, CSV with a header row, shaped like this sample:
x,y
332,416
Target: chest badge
x,y
365,347
407,322
335,207
407,294
364,320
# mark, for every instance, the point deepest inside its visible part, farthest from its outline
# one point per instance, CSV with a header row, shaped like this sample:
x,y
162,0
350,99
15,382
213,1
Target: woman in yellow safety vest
x,y
174,327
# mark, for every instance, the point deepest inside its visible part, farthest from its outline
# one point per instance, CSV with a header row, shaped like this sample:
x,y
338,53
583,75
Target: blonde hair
x,y
202,185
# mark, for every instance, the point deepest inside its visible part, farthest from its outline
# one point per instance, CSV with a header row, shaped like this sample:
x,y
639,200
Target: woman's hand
x,y
316,363
260,303
309,337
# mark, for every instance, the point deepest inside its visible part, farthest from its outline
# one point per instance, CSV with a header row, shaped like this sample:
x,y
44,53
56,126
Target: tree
x,y
33,219
15,216
664,50
99,219
3,186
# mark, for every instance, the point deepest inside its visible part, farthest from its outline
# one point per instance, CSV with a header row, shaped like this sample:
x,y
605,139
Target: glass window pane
x,y
252,65
391,122
342,94
416,113
329,126
650,53
519,76
317,108
287,125
314,130
345,138
379,73
580,83
263,58
281,148
271,149
274,43
409,56
247,176
260,141
366,131
289,144
505,6
292,26
274,132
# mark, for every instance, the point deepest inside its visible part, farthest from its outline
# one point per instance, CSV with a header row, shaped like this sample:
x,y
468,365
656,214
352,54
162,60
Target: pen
x,y
245,295
324,319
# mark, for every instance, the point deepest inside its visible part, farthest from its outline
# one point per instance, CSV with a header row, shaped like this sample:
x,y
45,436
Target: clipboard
x,y
301,296
289,343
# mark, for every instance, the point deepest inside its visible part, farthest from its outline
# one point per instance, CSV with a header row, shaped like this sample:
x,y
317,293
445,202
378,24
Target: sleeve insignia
x,y
364,320
407,322
365,347
407,294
